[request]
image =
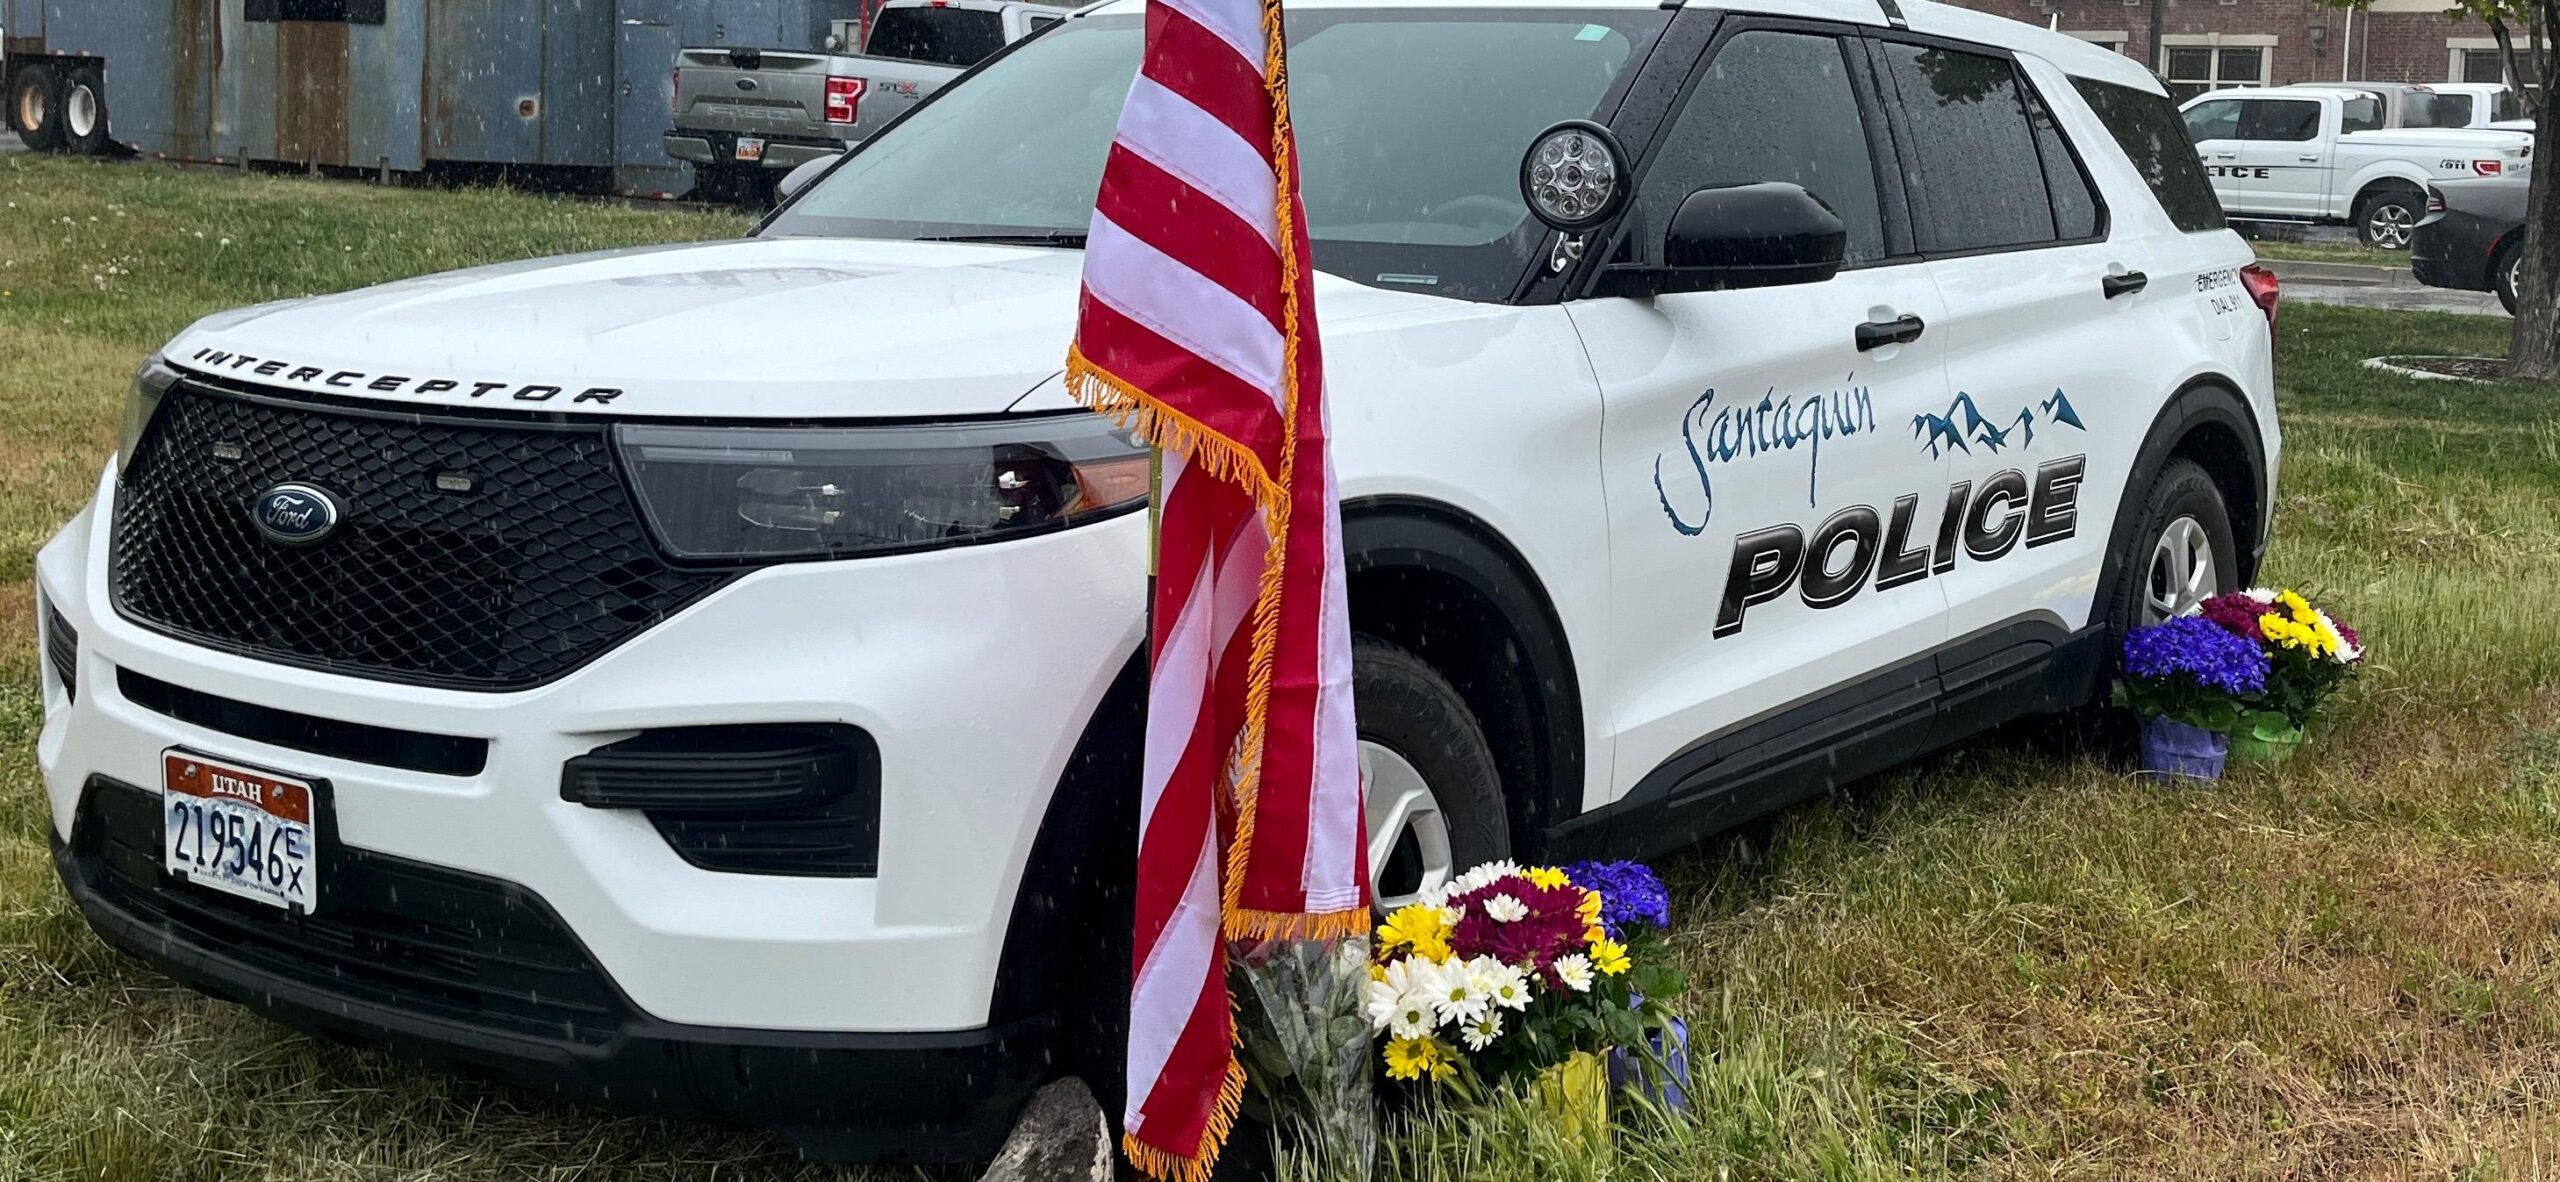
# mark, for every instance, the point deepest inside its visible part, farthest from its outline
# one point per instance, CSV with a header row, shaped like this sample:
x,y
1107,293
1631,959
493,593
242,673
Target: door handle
x,y
1876,334
2308,159
2226,155
2125,284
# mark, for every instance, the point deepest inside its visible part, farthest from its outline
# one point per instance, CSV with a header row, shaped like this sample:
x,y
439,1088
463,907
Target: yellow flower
x,y
1413,1058
1589,910
1610,957
2296,604
1424,929
1546,877
1594,934
1408,1058
2294,635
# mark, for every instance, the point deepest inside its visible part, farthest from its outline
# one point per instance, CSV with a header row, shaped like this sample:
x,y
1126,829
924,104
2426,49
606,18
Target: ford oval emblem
x,y
295,514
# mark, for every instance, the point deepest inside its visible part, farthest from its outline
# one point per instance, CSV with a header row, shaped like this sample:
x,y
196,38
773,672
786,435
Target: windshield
x,y
1411,125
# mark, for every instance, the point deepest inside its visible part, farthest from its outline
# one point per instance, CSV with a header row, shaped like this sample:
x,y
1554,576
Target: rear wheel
x,y
35,107
1435,798
84,112
2389,216
2506,275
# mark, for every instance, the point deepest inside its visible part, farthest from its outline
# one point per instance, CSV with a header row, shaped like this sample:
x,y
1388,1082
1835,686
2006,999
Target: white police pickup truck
x,y
706,679
2320,154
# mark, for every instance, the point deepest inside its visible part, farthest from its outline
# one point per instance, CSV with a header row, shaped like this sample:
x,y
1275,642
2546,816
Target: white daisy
x,y
1574,969
1506,986
1506,909
1386,996
1480,1033
1454,997
1413,1015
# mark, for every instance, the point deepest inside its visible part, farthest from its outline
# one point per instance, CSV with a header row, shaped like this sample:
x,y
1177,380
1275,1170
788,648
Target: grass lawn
x,y
2004,962
2330,252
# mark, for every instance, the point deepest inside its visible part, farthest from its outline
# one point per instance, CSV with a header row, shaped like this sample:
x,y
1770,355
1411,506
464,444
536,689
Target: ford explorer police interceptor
x,y
706,679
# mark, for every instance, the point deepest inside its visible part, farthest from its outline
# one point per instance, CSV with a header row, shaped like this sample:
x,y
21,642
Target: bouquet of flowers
x,y
1507,972
2309,654
2188,678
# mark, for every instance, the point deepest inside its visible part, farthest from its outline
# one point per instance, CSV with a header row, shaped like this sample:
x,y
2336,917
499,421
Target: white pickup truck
x,y
2300,154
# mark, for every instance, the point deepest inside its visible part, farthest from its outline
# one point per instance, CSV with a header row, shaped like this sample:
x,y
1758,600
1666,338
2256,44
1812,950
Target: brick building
x,y
2214,43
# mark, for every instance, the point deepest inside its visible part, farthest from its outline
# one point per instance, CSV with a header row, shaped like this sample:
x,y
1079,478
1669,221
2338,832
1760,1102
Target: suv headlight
x,y
728,493
150,384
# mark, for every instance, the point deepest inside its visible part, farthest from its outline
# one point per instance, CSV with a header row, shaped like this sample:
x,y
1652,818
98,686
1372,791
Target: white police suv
x,y
707,679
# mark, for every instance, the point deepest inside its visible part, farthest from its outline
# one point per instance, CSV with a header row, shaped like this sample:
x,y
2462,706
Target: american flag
x,y
1197,327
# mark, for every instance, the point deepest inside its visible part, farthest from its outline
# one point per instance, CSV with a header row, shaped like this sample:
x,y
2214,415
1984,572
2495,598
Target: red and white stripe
x,y
1198,325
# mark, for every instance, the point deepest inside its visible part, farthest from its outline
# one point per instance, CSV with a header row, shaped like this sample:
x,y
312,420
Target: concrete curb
x,y
2358,274
2391,365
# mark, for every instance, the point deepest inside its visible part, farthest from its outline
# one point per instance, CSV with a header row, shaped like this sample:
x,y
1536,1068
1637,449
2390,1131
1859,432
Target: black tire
x,y
2502,272
2183,491
2387,217
84,102
35,107
1408,708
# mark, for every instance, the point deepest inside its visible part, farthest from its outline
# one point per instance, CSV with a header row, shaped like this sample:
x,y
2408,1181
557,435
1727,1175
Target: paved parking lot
x,y
9,143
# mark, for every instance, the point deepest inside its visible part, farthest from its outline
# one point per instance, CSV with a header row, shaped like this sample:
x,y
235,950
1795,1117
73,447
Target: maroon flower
x,y
1552,927
2237,614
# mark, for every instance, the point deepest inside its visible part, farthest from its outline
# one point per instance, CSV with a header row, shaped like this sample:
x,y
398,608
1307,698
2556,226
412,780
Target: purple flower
x,y
1629,893
2199,649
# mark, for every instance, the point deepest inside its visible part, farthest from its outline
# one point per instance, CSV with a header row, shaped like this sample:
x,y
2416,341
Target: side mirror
x,y
799,178
1764,235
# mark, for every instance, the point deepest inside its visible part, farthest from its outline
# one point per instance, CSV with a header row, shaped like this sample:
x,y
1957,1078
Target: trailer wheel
x,y
35,107
84,111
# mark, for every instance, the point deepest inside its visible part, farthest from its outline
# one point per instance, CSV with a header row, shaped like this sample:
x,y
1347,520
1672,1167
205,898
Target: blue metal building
x,y
579,86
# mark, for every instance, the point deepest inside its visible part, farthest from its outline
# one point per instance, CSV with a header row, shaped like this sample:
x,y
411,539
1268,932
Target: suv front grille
x,y
540,566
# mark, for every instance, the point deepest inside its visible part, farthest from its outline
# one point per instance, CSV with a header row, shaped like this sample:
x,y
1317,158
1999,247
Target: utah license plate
x,y
239,830
750,148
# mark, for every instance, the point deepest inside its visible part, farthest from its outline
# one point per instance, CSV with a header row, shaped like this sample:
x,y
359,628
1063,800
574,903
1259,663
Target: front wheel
x,y
1434,795
2181,552
2389,217
2506,275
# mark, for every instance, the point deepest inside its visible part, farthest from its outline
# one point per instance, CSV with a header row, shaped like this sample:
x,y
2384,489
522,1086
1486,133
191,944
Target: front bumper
x,y
2454,251
974,669
945,1096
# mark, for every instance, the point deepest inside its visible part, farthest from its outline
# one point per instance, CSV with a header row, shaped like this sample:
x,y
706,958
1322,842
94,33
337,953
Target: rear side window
x,y
1980,172
945,36
2363,112
2280,120
2075,202
1771,106
2153,138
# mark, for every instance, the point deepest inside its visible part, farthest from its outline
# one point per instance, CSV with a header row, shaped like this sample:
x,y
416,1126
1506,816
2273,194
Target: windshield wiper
x,y
1074,241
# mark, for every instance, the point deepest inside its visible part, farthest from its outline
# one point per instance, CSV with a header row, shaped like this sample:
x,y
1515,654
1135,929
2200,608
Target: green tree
x,y
2524,31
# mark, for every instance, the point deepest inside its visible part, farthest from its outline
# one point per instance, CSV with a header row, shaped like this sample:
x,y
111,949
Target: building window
x,y
2480,65
2111,40
2195,69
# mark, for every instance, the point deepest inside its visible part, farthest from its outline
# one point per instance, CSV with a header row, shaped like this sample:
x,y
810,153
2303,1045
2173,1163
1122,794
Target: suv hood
x,y
797,328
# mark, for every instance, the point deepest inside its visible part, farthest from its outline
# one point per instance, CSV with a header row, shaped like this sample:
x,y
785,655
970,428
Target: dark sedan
x,y
2472,237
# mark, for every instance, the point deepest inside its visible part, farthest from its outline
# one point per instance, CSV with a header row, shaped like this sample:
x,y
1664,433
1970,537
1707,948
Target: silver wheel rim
x,y
2515,277
2182,572
2389,226
30,108
1404,817
80,111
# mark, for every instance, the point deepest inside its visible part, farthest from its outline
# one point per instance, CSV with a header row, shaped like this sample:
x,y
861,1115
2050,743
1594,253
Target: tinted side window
x,y
2281,120
948,36
1771,106
2075,201
1979,173
2148,130
2216,120
2363,112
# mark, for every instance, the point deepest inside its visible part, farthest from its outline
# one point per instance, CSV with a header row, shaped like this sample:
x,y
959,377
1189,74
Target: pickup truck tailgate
x,y
753,92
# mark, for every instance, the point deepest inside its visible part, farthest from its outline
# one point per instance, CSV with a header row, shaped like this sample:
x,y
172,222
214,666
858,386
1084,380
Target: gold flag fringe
x,y
1173,1167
